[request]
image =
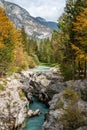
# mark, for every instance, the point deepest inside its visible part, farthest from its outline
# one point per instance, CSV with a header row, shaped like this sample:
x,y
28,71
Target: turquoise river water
x,y
40,69
35,123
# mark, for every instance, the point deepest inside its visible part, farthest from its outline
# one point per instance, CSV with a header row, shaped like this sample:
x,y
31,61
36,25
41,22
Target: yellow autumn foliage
x,y
80,28
11,48
1,45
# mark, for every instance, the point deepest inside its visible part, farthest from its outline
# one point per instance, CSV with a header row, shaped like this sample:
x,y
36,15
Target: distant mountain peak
x,y
2,1
52,25
34,27
41,19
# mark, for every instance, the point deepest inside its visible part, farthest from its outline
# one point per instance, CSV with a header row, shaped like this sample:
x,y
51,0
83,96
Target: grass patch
x,y
48,64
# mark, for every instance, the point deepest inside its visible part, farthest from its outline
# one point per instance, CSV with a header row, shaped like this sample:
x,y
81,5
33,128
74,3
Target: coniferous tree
x,y
24,39
80,44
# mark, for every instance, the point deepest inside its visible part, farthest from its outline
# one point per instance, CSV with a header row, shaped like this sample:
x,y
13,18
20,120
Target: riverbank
x,y
48,87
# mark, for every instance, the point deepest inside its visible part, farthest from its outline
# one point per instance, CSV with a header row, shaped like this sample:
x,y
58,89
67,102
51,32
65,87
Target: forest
x,y
43,82
67,47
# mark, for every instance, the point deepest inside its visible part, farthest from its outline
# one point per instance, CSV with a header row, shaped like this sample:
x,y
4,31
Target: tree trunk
x,y
78,69
73,62
85,69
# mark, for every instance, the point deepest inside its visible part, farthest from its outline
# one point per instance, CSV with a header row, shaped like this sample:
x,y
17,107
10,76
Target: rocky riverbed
x,y
48,86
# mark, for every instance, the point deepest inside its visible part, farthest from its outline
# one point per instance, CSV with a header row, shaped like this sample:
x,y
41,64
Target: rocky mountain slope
x,y
33,26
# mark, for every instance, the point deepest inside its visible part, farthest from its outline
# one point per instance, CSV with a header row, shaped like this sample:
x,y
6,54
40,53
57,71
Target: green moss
x,y
22,95
2,87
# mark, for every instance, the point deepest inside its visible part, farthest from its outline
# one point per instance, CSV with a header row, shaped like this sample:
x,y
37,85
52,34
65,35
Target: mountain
x,y
50,24
34,27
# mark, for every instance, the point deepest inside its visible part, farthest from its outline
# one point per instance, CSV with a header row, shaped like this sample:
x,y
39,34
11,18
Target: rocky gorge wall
x,y
67,100
13,103
50,89
16,93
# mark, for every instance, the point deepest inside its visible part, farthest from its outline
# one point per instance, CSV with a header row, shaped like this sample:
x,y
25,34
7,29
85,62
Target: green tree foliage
x,y
32,46
80,43
45,51
14,47
69,38
24,39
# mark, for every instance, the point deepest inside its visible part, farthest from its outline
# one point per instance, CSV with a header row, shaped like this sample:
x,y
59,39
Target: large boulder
x,y
13,103
49,82
54,87
32,113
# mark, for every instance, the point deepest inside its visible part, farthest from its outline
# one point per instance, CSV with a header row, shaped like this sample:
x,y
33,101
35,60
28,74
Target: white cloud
x,y
48,9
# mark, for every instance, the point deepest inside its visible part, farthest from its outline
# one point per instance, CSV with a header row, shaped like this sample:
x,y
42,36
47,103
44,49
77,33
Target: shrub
x,y
31,62
70,94
23,65
35,59
59,104
72,118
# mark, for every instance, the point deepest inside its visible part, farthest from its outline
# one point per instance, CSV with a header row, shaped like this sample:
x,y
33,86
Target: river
x,y
40,68
35,123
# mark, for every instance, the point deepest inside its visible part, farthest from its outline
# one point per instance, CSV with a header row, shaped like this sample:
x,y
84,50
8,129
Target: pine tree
x,y
24,39
80,44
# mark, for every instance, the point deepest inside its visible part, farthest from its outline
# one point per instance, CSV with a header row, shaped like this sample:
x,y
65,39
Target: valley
x,y
43,65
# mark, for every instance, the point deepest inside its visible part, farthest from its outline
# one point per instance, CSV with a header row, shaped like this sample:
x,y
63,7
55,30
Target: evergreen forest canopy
x,y
68,46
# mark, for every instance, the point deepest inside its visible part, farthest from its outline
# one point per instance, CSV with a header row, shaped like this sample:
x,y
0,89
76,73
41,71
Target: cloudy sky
x,y
48,9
